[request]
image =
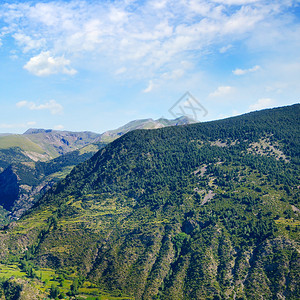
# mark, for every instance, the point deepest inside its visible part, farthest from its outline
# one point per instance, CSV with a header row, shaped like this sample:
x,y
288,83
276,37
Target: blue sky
x,y
96,65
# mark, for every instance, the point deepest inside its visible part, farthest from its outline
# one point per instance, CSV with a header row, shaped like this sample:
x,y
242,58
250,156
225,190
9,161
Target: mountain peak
x,y
37,130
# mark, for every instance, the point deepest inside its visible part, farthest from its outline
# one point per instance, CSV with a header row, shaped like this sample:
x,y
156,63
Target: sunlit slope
x,y
17,140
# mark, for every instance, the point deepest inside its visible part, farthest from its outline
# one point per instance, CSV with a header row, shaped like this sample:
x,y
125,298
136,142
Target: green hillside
x,y
20,141
203,211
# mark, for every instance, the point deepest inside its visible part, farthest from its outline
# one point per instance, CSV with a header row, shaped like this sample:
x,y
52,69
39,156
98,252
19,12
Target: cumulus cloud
x,y
52,106
245,71
221,91
262,103
44,64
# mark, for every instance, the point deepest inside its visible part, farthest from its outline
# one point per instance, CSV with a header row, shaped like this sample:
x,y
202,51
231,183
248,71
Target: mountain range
x,y
202,211
32,162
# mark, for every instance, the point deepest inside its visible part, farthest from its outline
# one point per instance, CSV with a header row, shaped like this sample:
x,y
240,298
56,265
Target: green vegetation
x,y
3,216
51,283
204,211
21,142
24,181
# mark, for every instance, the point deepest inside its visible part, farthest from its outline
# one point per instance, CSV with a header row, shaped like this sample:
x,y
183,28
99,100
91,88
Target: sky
x,y
96,65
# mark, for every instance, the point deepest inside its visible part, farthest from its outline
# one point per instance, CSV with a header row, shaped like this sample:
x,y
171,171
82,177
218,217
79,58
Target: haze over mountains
x,y
203,211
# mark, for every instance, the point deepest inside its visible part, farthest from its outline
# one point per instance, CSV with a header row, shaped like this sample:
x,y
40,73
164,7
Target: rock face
x,y
9,188
19,187
22,184
17,288
56,142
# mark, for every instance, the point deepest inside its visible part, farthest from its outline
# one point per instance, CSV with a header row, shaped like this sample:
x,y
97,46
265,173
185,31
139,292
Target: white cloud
x,y
27,43
117,15
51,105
262,103
17,125
44,64
245,71
58,127
225,48
221,91
159,4
149,88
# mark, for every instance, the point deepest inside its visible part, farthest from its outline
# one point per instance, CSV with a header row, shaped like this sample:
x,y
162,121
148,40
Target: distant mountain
x,y
40,145
203,211
55,142
111,135
46,144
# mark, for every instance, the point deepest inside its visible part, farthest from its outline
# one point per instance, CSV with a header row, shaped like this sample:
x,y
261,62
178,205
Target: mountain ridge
x,y
110,135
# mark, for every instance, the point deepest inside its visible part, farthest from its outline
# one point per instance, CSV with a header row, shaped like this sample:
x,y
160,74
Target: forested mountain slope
x,y
23,182
25,161
203,211
32,162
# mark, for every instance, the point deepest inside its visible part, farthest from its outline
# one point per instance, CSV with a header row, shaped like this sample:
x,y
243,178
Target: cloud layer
x,y
145,39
